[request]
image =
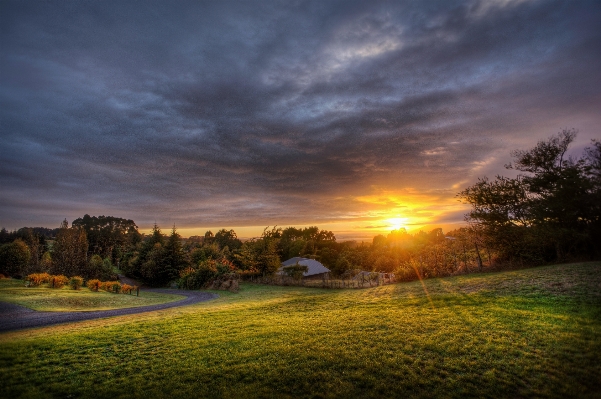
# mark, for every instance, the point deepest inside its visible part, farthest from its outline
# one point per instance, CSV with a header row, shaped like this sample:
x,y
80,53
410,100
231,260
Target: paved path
x,y
16,317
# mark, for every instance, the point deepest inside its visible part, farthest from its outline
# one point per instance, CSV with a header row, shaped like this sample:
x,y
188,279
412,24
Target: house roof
x,y
313,266
292,261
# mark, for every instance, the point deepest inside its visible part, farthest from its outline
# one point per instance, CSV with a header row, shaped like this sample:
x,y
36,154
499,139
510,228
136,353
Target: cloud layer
x,y
256,113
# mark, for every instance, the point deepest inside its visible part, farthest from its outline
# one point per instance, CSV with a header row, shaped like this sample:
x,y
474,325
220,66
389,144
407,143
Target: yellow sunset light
x,y
397,223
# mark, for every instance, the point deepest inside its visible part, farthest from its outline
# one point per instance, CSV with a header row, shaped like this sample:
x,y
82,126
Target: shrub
x,y
57,281
37,279
193,279
126,288
112,286
94,284
295,271
75,282
116,286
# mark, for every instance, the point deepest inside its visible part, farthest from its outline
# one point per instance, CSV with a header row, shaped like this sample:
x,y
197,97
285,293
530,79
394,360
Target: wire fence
x,y
362,281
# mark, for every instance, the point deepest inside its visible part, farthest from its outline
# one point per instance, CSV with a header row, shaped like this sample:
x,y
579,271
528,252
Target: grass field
x,y
528,333
65,299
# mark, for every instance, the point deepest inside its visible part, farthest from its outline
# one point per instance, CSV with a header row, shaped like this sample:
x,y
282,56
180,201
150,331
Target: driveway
x,y
16,317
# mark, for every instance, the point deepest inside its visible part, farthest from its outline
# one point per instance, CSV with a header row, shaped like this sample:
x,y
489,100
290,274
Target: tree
x,y
174,258
69,253
261,255
108,236
14,258
147,264
209,237
227,238
547,212
100,269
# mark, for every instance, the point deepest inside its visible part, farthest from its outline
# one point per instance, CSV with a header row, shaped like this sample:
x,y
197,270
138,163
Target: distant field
x,y
66,299
528,333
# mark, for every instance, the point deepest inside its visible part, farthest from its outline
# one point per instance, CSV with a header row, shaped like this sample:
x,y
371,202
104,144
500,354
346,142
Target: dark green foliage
x,y
295,271
206,252
159,261
306,242
100,269
227,238
174,259
69,253
108,236
42,233
551,212
75,282
205,272
261,255
14,259
342,266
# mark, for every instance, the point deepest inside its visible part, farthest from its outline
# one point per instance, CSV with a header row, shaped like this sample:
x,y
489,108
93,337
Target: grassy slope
x,y
533,332
65,299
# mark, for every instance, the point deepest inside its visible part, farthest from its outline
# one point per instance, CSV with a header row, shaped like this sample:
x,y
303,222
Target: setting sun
x,y
397,223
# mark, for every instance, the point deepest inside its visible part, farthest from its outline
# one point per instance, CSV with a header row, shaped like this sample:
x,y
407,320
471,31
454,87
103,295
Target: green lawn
x,y
66,299
528,333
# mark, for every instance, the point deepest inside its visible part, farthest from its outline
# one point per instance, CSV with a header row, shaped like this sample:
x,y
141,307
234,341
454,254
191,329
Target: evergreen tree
x,y
69,253
174,258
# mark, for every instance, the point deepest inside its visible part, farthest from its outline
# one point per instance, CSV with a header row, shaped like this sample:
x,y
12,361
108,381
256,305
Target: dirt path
x,y
16,317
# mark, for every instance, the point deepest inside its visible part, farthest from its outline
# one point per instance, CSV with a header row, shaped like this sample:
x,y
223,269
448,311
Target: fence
x,y
363,281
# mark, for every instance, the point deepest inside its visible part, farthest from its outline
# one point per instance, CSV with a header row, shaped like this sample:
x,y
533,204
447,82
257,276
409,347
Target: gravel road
x,y
15,317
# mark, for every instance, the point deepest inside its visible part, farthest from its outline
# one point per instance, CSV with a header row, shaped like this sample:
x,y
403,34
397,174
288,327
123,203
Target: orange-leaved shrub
x,y
126,288
57,281
36,279
75,282
111,286
94,284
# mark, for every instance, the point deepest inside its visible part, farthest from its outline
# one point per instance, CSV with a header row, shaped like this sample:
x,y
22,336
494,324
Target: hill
x,y
533,332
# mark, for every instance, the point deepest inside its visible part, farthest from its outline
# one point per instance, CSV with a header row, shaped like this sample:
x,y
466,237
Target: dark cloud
x,y
256,113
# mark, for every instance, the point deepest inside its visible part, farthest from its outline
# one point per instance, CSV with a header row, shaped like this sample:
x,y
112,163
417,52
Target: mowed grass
x,y
68,300
528,333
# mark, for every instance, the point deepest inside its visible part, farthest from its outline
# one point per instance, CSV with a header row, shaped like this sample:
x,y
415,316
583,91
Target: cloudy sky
x,y
358,117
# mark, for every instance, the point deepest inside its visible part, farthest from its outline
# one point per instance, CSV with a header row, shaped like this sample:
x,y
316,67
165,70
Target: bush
x,y
94,284
37,279
75,282
126,289
193,279
57,281
112,286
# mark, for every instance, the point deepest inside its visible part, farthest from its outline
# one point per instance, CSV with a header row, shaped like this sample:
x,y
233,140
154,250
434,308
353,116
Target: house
x,y
315,270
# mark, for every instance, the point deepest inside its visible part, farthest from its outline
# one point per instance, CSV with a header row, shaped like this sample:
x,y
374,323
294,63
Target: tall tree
x,y
174,259
69,252
108,236
547,211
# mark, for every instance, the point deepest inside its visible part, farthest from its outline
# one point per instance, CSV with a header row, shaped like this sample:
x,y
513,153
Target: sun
x,y
397,223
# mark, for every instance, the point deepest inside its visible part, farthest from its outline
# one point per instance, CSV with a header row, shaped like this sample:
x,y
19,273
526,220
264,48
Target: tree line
x,y
549,212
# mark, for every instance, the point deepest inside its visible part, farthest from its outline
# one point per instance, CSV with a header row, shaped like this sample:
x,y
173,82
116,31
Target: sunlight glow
x,y
397,223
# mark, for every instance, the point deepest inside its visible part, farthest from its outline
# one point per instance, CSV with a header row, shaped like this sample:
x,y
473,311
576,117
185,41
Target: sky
x,y
357,117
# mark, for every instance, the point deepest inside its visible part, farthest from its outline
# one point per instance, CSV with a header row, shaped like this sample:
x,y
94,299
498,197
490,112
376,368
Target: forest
x,y
550,212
